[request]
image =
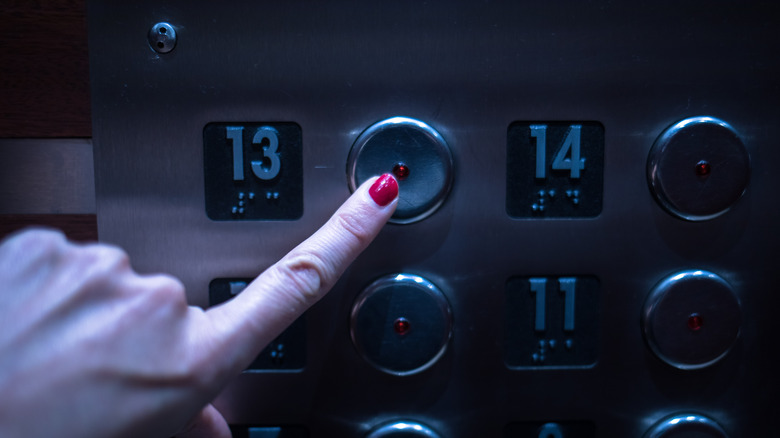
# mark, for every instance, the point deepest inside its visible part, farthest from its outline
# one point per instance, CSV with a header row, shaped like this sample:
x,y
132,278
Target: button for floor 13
x,y
551,321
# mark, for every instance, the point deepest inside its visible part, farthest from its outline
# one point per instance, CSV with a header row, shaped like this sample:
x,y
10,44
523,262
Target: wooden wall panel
x,y
44,89
78,227
44,69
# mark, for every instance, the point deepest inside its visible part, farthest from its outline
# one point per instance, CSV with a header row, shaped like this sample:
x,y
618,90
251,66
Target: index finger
x,y
269,304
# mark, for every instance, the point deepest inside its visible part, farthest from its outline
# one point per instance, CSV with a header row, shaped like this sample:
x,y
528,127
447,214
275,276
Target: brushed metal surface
x,y
470,69
46,176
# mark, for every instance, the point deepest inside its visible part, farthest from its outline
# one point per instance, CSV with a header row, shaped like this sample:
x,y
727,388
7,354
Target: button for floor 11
x,y
401,324
691,319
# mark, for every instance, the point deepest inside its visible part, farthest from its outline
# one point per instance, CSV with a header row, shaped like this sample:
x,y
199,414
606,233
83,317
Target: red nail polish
x,y
384,190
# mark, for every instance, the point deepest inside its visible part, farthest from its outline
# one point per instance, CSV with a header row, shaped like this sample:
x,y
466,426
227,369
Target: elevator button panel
x,y
586,229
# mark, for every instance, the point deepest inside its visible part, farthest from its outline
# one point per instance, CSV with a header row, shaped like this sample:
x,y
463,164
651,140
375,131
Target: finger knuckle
x,y
36,242
168,292
354,226
306,274
107,257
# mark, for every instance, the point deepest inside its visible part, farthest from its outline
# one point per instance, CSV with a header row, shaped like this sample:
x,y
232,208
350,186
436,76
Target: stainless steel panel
x,y
468,69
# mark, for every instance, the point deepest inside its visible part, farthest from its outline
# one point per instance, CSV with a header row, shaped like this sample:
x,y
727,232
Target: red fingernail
x,y
384,190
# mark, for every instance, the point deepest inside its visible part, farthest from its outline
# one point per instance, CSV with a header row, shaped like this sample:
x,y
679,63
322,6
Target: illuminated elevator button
x,y
691,319
698,168
415,153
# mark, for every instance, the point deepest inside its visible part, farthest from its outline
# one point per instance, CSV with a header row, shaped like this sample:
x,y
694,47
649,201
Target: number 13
x,y
236,135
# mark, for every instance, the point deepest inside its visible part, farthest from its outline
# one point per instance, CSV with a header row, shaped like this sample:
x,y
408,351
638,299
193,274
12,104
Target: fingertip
x,y
286,289
208,423
384,190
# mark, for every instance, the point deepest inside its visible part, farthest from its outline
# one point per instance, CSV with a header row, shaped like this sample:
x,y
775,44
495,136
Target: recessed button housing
x,y
415,153
401,324
402,429
691,319
686,426
698,168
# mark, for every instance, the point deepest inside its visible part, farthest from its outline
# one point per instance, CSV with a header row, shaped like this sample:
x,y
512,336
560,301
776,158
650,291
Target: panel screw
x,y
162,37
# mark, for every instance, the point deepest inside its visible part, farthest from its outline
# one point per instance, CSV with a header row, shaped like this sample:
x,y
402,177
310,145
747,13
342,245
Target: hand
x,y
90,348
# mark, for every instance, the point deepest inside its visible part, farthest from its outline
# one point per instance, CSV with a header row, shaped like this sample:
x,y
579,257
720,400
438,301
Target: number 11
x,y
567,286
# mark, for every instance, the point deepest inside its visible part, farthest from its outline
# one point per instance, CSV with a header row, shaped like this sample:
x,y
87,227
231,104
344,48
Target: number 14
x,y
562,161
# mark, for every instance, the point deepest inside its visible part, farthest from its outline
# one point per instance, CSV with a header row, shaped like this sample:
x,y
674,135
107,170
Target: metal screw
x,y
162,37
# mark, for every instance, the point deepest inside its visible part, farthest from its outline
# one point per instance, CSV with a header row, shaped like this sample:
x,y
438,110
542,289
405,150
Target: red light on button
x,y
695,322
401,171
401,326
703,168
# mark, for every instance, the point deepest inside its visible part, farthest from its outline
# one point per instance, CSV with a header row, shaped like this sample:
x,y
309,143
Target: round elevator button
x,y
402,429
415,154
691,319
698,168
401,324
686,426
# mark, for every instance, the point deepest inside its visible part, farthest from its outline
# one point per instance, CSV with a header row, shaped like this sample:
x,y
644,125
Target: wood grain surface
x,y
44,69
44,89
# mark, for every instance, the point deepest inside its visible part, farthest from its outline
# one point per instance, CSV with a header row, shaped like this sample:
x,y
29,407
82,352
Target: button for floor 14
x,y
415,153
552,321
